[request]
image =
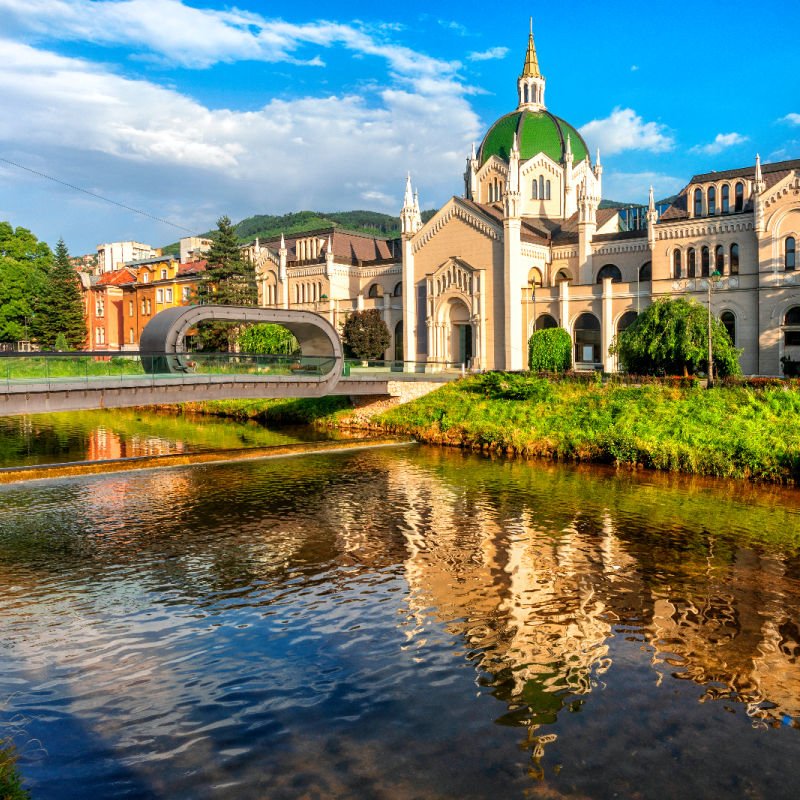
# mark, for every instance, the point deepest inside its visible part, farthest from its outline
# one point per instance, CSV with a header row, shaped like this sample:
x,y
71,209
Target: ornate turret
x,y
511,195
759,185
471,175
531,82
652,218
410,219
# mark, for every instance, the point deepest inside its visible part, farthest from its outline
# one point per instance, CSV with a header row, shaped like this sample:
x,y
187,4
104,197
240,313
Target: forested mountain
x,y
266,226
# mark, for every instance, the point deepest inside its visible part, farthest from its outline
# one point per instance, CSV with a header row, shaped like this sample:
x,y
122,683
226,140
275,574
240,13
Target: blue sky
x,y
189,109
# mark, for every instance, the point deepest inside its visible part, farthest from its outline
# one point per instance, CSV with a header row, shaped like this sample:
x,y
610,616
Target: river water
x,y
403,622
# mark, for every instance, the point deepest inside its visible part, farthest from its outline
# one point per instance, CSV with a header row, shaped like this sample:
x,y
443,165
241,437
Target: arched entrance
x,y
461,343
398,341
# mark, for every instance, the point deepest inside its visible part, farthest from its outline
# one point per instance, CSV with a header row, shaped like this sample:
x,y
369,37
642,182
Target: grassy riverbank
x,y
302,411
736,432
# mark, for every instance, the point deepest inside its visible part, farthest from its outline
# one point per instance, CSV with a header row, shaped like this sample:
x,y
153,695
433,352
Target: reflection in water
x,y
127,433
401,624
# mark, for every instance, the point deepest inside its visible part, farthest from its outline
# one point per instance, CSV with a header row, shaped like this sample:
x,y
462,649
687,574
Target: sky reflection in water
x,y
401,623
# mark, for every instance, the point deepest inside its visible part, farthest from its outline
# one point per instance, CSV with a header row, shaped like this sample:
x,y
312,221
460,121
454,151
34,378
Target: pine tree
x,y
229,280
59,309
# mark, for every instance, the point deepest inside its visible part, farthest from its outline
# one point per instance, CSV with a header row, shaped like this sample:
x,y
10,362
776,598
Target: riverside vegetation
x,y
739,429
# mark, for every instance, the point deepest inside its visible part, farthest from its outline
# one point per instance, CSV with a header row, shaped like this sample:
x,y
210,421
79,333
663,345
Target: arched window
x,y
738,197
544,322
725,198
691,263
789,253
705,261
698,203
719,259
676,265
535,189
610,271
626,320
734,266
791,322
728,319
398,341
398,289
587,339
563,275
646,271
541,187
534,277
375,290
712,200
547,190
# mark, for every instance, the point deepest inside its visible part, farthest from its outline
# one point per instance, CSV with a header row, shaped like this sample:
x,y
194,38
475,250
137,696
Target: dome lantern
x,y
531,83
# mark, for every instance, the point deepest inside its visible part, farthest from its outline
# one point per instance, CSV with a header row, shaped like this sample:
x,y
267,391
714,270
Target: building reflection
x,y
539,607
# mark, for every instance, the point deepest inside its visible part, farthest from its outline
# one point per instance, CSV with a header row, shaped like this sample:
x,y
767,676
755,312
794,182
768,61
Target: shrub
x,y
550,350
366,334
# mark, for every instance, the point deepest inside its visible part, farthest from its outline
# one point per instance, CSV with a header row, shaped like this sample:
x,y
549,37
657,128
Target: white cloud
x,y
722,141
792,119
154,148
623,130
198,38
488,55
634,187
634,67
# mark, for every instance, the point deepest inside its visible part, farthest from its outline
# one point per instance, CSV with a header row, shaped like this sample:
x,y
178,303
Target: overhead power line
x,y
94,194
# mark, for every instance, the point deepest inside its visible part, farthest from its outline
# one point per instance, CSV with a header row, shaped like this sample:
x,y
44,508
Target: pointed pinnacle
x,y
531,67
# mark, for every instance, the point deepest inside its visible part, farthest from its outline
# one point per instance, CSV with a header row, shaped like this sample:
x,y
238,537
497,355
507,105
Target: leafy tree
x,y
671,337
550,350
229,280
24,261
267,338
59,308
365,334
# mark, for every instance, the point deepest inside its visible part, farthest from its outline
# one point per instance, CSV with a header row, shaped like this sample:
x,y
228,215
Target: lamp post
x,y
713,279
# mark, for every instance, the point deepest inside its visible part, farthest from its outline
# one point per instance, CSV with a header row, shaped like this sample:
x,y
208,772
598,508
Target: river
x,y
402,622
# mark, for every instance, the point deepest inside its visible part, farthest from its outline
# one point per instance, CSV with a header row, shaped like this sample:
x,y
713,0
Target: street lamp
x,y
713,279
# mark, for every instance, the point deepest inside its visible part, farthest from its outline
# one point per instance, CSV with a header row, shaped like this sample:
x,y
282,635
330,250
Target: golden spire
x,y
531,67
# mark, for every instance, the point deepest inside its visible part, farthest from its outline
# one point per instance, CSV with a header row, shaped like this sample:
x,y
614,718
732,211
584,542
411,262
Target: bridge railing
x,y
372,367
72,367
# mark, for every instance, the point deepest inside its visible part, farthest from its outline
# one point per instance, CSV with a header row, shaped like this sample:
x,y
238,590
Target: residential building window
x,y
676,265
789,253
791,323
163,274
729,321
168,295
705,262
691,263
738,197
187,293
712,200
159,295
99,307
149,307
725,198
719,259
144,307
610,271
130,308
698,203
145,277
734,266
131,336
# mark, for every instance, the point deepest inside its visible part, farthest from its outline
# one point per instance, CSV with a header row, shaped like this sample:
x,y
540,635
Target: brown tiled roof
x,y
119,277
749,172
192,267
348,246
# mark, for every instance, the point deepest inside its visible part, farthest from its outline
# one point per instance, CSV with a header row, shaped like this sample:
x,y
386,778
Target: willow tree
x,y
670,337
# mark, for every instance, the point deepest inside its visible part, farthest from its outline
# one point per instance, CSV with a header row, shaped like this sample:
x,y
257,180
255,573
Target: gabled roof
x,y
192,267
784,167
119,277
348,247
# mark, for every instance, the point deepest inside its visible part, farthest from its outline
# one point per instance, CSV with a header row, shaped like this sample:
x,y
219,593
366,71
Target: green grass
x,y
10,779
300,411
736,432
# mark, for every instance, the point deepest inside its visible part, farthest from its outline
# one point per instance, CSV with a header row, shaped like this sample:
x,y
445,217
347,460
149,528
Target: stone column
x,y
607,326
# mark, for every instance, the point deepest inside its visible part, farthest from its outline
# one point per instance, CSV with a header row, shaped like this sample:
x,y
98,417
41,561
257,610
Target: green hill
x,y
267,226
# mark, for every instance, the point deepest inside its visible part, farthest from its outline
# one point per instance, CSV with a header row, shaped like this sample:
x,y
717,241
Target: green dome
x,y
537,132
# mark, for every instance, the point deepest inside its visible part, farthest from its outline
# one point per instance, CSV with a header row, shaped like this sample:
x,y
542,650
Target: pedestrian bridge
x,y
162,372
